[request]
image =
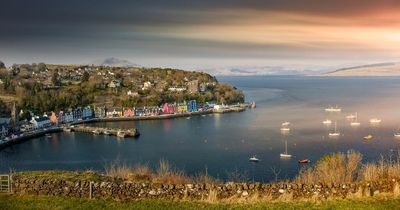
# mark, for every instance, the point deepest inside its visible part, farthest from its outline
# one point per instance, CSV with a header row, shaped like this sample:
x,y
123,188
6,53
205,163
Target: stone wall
x,y
228,191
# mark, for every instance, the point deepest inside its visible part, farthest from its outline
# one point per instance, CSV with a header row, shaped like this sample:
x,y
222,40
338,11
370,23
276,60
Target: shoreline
x,y
38,133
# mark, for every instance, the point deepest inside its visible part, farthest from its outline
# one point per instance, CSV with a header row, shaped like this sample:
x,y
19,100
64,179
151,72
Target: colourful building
x,y
53,118
169,108
182,108
129,112
192,106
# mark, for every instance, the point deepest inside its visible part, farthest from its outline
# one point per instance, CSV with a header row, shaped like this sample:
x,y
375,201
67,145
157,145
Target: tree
x,y
85,76
2,65
55,79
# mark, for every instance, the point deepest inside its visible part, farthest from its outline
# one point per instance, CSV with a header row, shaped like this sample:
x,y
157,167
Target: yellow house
x,y
182,108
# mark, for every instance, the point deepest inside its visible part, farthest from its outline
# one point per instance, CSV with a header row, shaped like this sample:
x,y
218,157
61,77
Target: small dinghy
x,y
304,161
254,159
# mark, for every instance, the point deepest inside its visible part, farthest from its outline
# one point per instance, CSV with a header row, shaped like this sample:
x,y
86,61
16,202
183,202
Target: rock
x,y
245,193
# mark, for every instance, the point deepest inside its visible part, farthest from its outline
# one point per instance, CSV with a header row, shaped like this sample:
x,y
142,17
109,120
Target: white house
x,y
68,117
220,107
41,122
114,84
177,89
87,113
147,85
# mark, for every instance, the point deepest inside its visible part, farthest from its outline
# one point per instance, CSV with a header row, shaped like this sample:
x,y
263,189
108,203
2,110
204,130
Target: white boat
x,y
375,120
327,122
107,133
121,134
286,154
285,124
350,117
355,123
97,132
285,129
396,135
335,133
254,159
333,109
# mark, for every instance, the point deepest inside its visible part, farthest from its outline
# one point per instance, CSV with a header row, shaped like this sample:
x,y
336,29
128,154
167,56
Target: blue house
x,y
192,106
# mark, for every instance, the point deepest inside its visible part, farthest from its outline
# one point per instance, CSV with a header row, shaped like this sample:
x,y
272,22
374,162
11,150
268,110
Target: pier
x,y
122,133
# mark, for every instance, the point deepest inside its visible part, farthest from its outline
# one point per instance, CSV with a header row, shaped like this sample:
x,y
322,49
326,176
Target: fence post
x,y
90,190
9,183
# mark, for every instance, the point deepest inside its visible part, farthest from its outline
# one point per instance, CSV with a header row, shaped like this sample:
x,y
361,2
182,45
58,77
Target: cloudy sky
x,y
202,34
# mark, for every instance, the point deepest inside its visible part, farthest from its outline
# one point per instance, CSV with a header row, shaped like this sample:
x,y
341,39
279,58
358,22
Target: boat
x,y
327,122
285,129
397,135
369,137
121,134
97,132
253,105
286,154
107,133
188,118
285,123
375,120
333,109
350,117
355,123
254,159
335,133
304,161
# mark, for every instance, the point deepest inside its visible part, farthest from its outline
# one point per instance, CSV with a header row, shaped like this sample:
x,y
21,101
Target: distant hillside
x,y
379,69
114,62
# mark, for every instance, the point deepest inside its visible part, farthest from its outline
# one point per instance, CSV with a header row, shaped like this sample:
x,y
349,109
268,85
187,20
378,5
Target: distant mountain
x,y
114,62
378,69
262,70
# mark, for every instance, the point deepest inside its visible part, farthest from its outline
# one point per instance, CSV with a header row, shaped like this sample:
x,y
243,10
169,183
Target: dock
x,y
122,133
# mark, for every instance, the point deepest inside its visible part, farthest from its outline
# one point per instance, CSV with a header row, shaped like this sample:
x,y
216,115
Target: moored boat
x,y
304,161
369,137
254,159
121,134
285,154
335,133
333,109
327,122
286,123
375,120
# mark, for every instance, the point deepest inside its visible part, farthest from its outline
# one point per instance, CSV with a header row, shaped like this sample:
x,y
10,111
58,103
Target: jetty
x,y
122,133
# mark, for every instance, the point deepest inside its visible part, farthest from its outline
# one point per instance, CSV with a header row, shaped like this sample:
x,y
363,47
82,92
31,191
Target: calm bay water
x,y
221,144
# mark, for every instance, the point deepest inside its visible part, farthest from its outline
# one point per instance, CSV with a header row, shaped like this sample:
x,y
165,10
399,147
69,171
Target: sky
x,y
207,34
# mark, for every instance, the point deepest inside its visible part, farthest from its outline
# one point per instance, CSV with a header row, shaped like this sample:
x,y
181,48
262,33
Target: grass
x,y
49,202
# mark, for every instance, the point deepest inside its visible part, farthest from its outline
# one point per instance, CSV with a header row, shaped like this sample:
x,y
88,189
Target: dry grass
x,y
334,168
346,168
165,173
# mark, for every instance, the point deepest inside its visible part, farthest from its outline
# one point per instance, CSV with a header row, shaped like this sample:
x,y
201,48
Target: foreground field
x,y
49,202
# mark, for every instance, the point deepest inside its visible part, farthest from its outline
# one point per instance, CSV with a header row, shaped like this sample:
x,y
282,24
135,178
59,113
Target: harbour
x,y
223,143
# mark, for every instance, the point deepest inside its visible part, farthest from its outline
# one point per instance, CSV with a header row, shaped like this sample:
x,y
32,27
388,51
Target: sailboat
x,y
336,133
350,117
286,123
286,154
355,122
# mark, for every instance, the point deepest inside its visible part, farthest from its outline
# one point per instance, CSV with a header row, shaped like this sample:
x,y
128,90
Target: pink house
x,y
169,108
53,118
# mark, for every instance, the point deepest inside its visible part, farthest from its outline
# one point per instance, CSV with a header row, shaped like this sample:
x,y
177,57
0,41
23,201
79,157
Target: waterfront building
x,y
129,112
192,106
68,117
77,113
4,127
100,112
182,108
87,113
27,126
53,118
169,108
220,107
41,122
115,112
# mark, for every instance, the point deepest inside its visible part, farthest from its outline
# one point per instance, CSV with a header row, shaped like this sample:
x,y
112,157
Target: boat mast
x,y
286,148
